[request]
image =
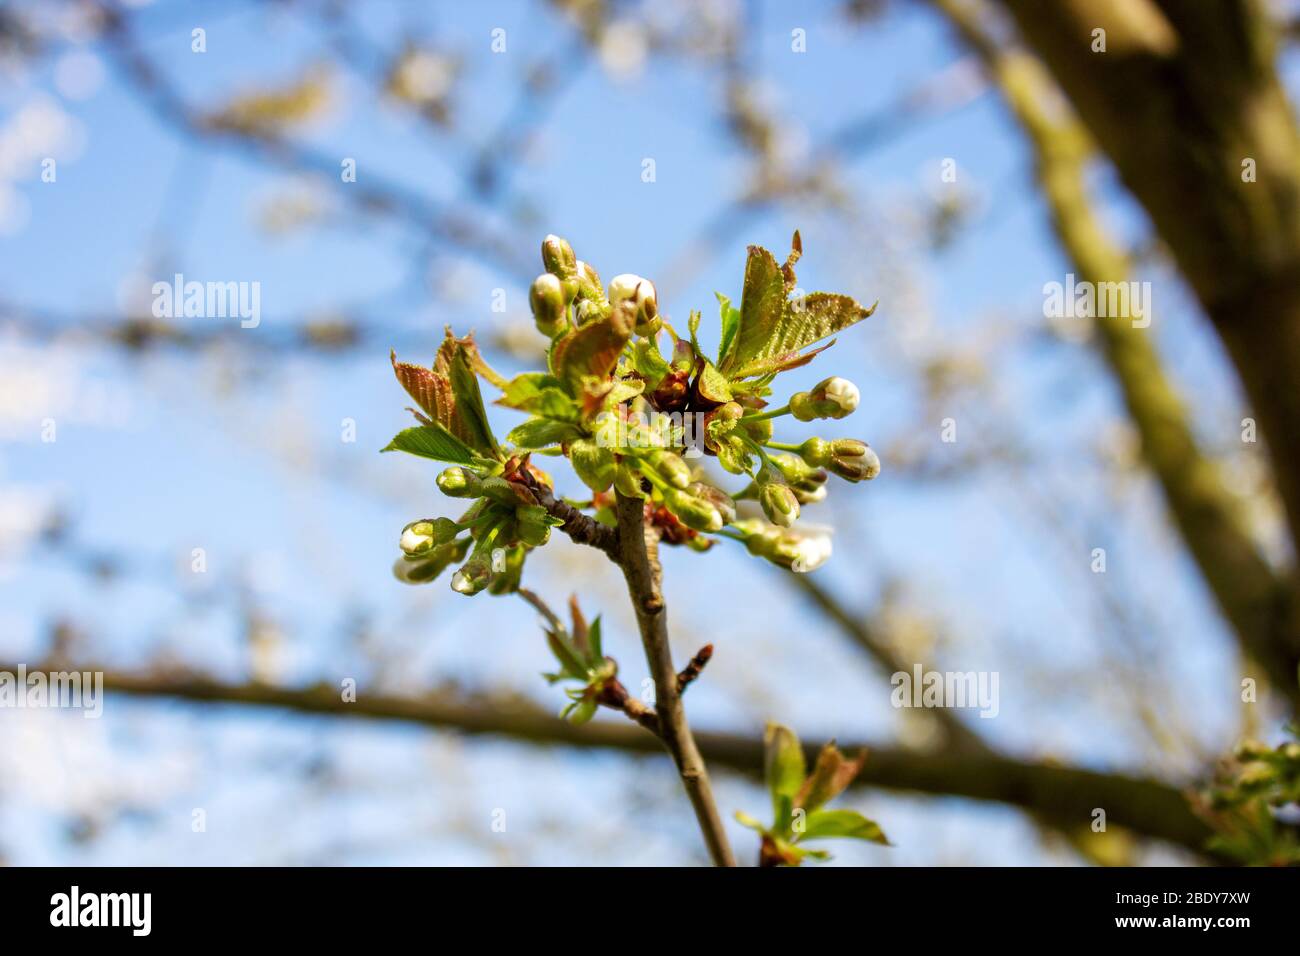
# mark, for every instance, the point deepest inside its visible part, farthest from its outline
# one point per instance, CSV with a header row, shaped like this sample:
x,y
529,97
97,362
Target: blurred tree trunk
x,y
1185,100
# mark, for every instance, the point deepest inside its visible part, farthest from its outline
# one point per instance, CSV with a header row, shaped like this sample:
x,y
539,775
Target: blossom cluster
x,y
615,358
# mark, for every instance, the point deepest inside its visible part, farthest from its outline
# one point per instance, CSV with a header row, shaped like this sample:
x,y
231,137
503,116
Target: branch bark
x,y
1183,96
1064,794
639,559
582,528
1260,605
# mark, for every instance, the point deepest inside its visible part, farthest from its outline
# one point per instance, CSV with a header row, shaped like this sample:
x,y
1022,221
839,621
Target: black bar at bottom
x,y
336,905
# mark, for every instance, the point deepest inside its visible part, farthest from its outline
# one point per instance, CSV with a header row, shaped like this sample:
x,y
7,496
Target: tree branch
x,y
638,547
1185,96
1067,795
582,528
1260,606
370,193
958,736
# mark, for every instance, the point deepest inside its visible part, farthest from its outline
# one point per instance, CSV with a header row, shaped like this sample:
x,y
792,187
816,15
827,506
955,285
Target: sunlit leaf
x,y
591,350
842,823
730,323
542,433
783,764
433,441
831,774
469,403
761,305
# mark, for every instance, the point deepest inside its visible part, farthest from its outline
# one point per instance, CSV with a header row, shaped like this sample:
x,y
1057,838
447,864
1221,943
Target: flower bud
x,y
792,468
800,549
558,258
809,496
458,482
853,460
779,503
428,566
716,497
806,552
759,429
670,467
697,513
628,286
816,452
643,297
832,398
673,392
730,411
593,463
546,299
507,581
475,574
839,392
420,537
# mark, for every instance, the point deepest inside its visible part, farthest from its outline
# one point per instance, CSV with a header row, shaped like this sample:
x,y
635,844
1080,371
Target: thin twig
x,y
694,667
613,694
638,548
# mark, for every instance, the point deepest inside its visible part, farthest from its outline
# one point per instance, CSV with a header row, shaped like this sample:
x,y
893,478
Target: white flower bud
x,y
413,542
640,291
812,550
840,391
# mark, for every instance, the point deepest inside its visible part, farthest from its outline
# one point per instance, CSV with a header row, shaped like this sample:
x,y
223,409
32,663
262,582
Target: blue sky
x,y
241,455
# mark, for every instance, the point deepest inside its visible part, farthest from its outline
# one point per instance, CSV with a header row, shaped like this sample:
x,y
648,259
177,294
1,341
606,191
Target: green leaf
x,y
592,350
433,441
624,391
693,327
431,391
772,330
583,711
554,403
842,823
831,774
562,648
712,384
761,305
523,391
782,813
469,403
783,765
730,323
542,432
649,363
821,314
745,820
593,640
